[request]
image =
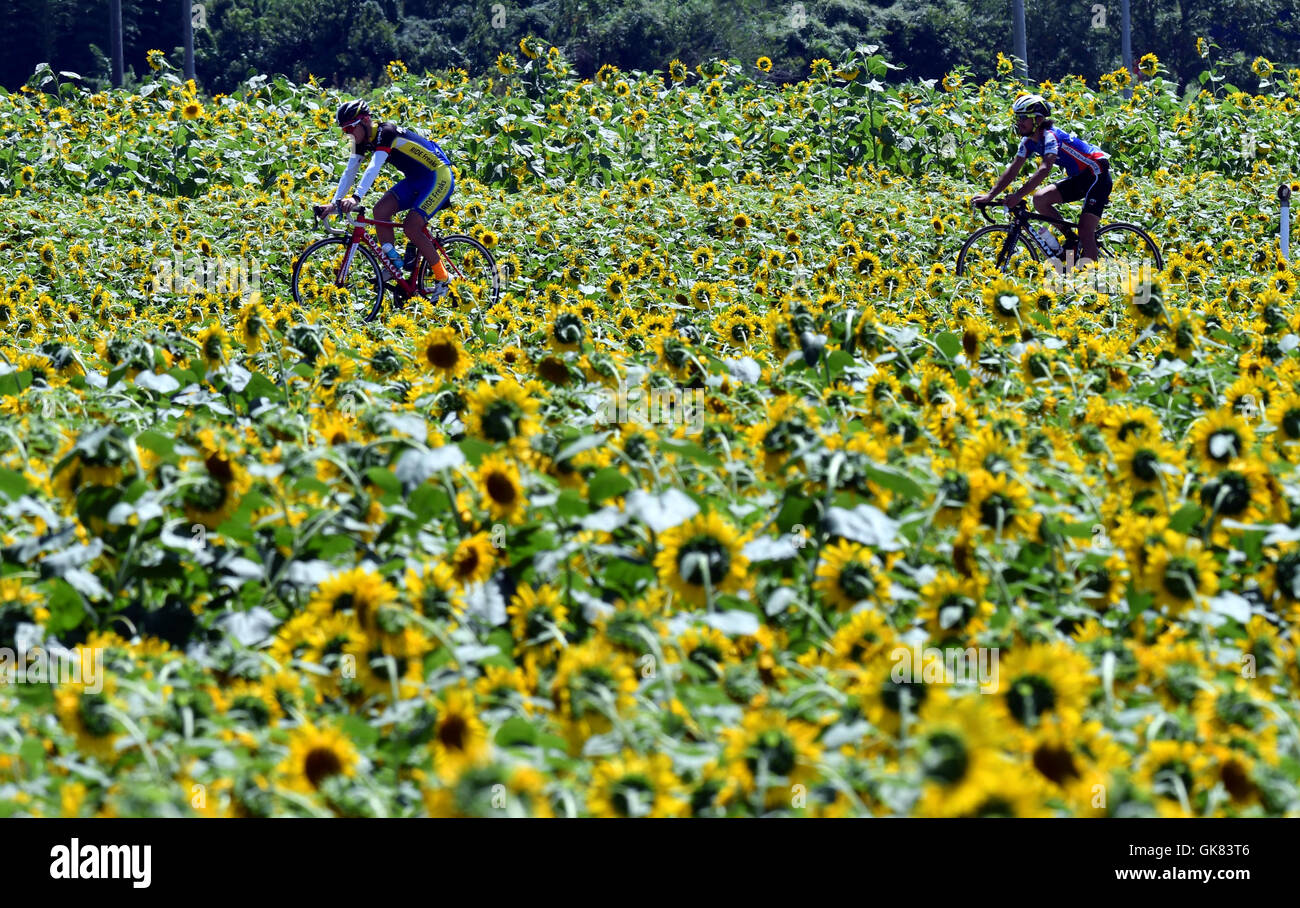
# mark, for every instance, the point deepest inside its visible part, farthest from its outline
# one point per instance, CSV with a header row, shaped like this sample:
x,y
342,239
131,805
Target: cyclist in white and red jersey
x,y
1087,168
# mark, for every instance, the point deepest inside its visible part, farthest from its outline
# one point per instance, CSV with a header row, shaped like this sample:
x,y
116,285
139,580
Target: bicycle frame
x,y
360,234
1020,217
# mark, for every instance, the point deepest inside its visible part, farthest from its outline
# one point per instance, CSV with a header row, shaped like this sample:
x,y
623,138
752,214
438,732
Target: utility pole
x,y
115,38
1126,41
1018,20
187,26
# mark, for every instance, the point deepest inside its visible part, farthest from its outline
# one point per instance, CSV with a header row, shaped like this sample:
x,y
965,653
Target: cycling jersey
x,y
409,151
1072,153
419,159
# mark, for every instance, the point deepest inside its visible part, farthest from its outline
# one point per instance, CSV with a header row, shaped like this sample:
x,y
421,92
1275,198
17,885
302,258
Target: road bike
x,y
1005,248
350,268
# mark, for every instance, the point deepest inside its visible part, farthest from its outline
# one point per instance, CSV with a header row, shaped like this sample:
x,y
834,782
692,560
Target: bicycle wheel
x,y
1128,251
986,252
316,277
475,279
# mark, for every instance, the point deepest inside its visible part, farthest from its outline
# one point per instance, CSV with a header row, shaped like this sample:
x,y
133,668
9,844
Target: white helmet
x,y
1028,105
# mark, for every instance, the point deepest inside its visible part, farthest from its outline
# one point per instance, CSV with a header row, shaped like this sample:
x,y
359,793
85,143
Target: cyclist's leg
x,y
1071,190
386,210
434,198
1046,199
1094,203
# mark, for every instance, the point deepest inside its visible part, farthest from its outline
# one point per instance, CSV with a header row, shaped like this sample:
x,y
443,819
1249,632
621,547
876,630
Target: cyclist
x,y
425,188
1086,166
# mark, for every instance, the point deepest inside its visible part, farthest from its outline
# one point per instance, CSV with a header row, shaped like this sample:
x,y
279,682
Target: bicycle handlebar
x,y
351,219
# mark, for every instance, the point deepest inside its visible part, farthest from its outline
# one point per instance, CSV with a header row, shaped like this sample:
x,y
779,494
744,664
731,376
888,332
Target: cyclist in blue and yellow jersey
x,y
425,188
1087,168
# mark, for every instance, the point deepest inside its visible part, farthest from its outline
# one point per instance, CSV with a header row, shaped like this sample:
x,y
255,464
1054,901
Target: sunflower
x,y
1241,492
474,560
850,574
635,786
192,110
1176,770
593,682
567,329
800,153
502,491
958,741
860,641
954,606
502,412
213,343
1149,65
441,352
701,558
460,739
1001,504
317,753
1179,572
221,482
537,621
361,591
764,64
1004,302
1041,682
769,752
1219,438
89,717
1147,462
435,594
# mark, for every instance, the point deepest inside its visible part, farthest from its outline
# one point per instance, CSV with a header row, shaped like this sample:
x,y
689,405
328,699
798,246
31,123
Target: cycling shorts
x,y
1093,189
428,193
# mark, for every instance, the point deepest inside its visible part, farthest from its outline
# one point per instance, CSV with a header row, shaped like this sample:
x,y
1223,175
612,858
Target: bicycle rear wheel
x,y
475,279
988,251
1128,250
320,275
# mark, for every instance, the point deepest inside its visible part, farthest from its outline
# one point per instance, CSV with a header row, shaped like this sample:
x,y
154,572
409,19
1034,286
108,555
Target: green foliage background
x,y
342,41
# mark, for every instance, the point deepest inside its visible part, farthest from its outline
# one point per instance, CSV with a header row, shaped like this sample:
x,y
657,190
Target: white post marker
x,y
1284,196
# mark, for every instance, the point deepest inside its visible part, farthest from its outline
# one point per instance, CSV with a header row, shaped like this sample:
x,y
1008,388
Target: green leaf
x,y
157,443
607,483
949,344
12,484
895,482
516,731
1187,517
14,383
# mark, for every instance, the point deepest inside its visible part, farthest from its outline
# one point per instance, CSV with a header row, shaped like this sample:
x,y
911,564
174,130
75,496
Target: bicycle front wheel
x,y
1128,248
474,277
334,272
989,251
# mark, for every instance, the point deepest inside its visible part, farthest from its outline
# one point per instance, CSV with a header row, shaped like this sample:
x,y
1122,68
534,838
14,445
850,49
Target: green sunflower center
x,y
633,796
1181,577
856,582
1146,466
1030,696
776,751
1229,494
946,759
704,556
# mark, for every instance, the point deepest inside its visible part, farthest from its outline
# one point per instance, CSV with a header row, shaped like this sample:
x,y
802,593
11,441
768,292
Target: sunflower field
x,y
421,567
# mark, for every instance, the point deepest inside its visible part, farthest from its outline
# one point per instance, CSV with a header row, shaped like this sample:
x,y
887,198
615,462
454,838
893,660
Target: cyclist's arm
x,y
1042,173
345,182
372,171
1005,180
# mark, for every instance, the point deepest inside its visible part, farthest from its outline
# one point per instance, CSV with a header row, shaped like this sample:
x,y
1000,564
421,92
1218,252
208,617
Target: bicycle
x,y
997,245
325,271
